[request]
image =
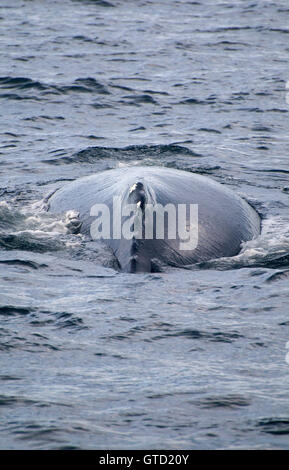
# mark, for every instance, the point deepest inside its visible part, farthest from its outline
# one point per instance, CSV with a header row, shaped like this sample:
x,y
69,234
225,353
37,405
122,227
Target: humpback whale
x,y
151,217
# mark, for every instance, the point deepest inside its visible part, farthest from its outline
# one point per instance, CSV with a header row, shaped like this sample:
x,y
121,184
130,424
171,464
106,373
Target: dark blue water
x,y
93,358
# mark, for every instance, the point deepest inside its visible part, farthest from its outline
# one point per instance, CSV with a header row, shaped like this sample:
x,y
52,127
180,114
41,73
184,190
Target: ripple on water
x,y
228,401
275,426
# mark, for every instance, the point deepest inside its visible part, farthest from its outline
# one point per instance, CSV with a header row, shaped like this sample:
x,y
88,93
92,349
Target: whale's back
x,y
225,220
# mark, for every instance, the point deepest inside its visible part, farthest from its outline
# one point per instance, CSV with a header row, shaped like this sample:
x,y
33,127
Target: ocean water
x,y
183,359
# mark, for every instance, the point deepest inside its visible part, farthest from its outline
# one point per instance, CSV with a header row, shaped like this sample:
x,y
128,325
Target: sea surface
x,y
182,359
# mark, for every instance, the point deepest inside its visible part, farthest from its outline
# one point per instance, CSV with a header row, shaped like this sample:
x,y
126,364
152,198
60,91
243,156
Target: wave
x,y
24,86
275,426
23,263
32,229
269,250
131,152
228,401
10,310
99,3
